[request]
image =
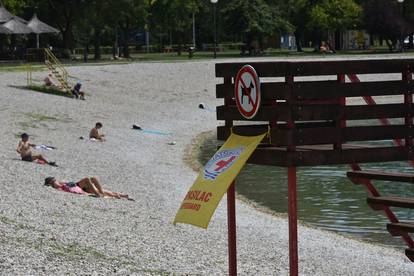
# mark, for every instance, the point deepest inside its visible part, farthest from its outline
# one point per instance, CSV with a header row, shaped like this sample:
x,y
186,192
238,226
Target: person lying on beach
x,y
94,133
87,186
25,151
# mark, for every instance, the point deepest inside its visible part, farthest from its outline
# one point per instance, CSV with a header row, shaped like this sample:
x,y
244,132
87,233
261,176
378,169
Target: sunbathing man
x,y
87,185
94,133
25,151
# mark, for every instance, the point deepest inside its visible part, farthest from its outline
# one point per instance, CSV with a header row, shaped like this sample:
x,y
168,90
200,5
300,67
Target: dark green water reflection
x,y
326,198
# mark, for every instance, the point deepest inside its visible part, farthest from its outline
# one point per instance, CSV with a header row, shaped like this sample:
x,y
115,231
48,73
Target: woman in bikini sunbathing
x,y
87,185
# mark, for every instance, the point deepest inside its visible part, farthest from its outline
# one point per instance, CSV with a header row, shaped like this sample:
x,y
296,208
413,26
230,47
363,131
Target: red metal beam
x,y
293,222
368,183
231,224
292,199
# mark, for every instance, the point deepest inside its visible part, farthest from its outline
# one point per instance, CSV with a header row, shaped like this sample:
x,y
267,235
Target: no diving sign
x,y
247,91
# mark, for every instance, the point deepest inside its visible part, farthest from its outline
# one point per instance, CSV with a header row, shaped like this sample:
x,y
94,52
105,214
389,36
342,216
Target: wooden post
x,y
408,101
231,224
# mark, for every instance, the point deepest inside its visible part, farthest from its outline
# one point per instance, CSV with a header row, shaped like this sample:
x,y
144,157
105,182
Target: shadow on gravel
x,y
43,89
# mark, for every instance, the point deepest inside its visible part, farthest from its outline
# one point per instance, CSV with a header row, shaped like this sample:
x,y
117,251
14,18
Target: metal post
x,y
293,223
194,33
231,224
215,30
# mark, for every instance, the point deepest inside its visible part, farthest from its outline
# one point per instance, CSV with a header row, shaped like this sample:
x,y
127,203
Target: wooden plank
x,y
323,89
313,68
318,112
263,69
306,135
378,203
223,132
357,112
360,112
327,135
269,90
265,113
400,228
378,175
277,156
409,252
334,90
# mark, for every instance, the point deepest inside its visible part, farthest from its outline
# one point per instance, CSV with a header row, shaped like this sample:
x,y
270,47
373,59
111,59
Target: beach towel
x,y
44,147
148,131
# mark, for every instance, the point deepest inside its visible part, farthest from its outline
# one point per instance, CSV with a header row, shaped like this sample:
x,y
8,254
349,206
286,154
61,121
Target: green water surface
x,y
326,197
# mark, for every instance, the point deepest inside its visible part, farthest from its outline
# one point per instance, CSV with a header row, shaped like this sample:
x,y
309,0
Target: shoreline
x,y
191,158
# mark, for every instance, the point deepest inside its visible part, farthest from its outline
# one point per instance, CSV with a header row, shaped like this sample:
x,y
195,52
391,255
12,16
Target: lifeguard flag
x,y
213,181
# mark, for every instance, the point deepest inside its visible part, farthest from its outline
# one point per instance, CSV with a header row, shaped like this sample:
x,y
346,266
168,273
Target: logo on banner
x,y
220,162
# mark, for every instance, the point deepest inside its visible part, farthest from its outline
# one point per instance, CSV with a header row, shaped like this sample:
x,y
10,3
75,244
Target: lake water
x,y
326,197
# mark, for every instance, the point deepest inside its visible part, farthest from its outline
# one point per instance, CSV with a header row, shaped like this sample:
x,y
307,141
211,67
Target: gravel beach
x,y
48,232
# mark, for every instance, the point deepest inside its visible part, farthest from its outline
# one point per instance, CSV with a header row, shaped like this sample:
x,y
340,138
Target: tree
x,y
253,19
175,17
334,15
388,19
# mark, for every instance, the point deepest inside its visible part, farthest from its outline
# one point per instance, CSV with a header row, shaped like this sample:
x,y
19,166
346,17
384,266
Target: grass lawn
x,y
21,66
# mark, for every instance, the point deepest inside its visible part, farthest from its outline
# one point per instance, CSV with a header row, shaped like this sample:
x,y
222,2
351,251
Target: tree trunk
x,y
180,42
298,38
67,40
85,53
97,43
125,46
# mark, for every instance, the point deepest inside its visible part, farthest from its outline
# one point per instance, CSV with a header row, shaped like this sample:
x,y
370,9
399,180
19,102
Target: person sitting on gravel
x,y
48,80
94,133
87,185
77,92
25,151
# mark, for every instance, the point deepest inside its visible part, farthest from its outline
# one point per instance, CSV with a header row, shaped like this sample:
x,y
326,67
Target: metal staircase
x,y
57,69
382,203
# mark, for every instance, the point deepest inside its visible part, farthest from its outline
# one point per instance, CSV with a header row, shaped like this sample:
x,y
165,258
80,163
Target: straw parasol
x,y
4,30
17,27
39,27
5,15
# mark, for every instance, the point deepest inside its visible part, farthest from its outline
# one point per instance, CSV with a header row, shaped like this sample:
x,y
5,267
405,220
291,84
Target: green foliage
x,y
253,18
334,15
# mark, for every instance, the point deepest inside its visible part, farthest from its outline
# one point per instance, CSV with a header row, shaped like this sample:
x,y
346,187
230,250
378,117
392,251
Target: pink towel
x,y
74,190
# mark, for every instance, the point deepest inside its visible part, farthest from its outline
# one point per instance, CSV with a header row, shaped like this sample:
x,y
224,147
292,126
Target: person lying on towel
x,y
87,186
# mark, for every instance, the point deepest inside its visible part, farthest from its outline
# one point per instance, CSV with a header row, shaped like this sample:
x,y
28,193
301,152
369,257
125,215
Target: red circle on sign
x,y
243,89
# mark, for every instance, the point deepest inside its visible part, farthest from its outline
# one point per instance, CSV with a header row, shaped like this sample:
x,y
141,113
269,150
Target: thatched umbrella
x,y
39,27
5,15
17,27
4,30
